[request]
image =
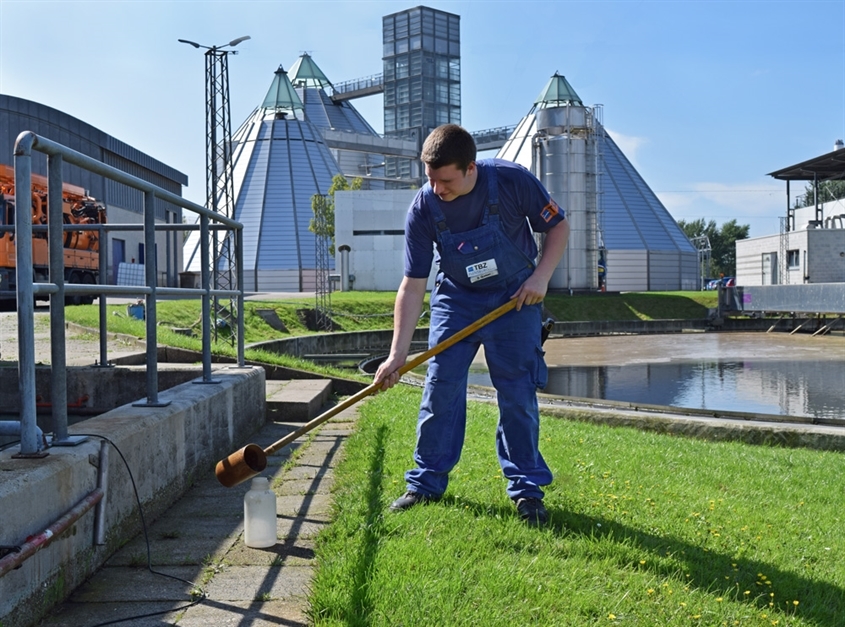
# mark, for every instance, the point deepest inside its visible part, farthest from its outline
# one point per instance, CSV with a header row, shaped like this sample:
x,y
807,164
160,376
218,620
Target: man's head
x,y
449,157
448,144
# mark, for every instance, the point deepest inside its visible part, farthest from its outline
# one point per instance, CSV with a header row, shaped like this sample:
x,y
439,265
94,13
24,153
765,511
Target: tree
x,y
323,206
722,241
828,190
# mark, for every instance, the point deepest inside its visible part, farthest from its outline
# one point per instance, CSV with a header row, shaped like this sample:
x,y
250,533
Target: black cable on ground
x,y
9,444
200,597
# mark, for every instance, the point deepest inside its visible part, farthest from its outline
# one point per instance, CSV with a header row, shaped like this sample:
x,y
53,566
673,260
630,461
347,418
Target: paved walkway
x,y
200,539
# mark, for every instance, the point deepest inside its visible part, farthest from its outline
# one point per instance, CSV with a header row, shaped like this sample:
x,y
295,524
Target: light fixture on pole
x,y
218,179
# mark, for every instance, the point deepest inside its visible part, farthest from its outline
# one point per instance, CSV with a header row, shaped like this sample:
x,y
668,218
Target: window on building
x,y
416,63
387,29
402,92
403,117
402,67
793,258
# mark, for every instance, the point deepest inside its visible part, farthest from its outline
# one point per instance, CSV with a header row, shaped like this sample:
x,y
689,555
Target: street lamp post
x,y
218,179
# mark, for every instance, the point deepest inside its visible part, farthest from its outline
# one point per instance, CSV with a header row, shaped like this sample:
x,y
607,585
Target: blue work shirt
x,y
523,201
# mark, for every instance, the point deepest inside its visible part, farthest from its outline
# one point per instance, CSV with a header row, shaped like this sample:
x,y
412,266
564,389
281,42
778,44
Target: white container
x,y
260,515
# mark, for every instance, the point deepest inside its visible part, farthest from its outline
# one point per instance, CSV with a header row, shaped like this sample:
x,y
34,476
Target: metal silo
x,y
565,160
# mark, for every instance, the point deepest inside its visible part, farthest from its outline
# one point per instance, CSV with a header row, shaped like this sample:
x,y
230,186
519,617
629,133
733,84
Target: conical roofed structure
x,y
279,161
615,217
349,135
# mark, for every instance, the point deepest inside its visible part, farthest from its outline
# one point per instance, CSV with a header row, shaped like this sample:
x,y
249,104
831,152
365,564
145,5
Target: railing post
x,y
239,259
30,446
150,309
205,277
102,256
56,254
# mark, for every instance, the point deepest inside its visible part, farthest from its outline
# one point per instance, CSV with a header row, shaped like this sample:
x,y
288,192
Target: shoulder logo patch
x,y
549,211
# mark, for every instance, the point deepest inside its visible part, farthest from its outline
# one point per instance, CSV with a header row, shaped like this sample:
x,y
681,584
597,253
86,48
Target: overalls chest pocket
x,y
473,260
476,242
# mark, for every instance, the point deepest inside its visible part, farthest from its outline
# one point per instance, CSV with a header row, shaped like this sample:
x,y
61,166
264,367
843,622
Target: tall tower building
x,y
422,78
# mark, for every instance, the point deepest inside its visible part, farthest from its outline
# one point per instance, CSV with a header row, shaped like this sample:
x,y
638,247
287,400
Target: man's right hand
x,y
387,374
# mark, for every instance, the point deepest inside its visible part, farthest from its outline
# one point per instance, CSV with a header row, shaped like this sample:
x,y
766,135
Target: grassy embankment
x,y
362,311
645,529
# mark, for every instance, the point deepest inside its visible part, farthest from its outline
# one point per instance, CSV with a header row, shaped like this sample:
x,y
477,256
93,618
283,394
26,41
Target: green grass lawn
x,y
366,311
645,529
363,311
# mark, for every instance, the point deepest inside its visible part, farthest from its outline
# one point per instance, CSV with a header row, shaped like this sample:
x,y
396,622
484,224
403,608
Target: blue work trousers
x,y
514,355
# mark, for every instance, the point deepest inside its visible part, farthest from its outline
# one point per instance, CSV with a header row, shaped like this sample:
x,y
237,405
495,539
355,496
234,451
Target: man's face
x,y
449,182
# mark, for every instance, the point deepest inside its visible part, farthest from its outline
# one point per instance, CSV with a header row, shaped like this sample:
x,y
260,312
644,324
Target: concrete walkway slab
x,y
298,400
200,540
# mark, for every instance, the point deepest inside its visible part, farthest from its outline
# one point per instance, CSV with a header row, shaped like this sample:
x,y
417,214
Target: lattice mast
x,y
220,192
219,186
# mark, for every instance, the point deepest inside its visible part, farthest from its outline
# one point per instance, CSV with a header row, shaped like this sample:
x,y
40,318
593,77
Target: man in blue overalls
x,y
477,215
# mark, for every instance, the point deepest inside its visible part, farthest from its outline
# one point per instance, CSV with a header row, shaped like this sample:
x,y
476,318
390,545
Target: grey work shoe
x,y
409,499
532,511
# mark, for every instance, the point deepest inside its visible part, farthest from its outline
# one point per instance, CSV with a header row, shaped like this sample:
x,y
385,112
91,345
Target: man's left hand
x,y
531,292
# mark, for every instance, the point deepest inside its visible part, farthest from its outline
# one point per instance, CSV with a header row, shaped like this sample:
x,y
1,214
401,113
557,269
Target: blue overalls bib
x,y
480,270
483,258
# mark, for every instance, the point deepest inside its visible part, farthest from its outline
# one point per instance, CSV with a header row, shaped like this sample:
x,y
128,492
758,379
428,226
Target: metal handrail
x,y
27,288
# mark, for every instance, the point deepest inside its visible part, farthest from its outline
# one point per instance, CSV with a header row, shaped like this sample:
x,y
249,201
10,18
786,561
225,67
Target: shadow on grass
x,y
656,306
360,602
820,603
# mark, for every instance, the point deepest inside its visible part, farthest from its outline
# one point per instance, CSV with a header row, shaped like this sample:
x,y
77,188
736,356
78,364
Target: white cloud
x,y
628,144
759,204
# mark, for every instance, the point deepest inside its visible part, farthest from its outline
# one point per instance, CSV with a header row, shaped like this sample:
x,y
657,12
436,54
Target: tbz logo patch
x,y
549,211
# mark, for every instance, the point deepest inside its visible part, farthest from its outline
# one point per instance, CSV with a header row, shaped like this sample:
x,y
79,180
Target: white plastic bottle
x,y
260,514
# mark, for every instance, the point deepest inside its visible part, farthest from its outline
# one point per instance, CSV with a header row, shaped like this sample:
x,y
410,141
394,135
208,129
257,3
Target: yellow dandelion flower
x,y
747,592
650,590
612,616
795,603
682,604
719,599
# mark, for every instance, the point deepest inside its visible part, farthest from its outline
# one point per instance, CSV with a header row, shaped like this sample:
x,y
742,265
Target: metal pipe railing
x,y
27,288
40,540
56,257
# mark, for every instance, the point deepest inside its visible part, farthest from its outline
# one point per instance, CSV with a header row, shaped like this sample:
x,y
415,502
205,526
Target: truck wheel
x,y
88,279
76,299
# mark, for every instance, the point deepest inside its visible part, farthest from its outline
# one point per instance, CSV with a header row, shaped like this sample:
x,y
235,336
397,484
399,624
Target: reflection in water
x,y
805,388
702,376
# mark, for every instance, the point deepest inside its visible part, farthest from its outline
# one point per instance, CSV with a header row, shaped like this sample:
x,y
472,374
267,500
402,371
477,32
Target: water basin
x,y
772,373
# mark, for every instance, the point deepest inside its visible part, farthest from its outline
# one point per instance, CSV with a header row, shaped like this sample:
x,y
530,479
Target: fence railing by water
x,y
28,289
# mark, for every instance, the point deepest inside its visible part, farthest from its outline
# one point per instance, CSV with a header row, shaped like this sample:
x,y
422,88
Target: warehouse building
x,y
124,205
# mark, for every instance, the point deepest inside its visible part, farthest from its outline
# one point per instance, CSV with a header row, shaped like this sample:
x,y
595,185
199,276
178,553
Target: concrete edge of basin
x,y
165,448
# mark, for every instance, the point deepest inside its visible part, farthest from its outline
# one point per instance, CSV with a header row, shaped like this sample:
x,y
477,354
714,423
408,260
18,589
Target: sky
x,y
705,98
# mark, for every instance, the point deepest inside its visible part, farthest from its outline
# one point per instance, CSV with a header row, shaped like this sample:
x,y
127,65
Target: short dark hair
x,y
448,144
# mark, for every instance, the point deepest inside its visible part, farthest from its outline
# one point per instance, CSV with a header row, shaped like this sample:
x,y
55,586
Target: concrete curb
x,y
200,539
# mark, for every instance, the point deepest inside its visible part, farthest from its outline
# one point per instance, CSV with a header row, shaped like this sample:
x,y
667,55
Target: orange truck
x,y
81,247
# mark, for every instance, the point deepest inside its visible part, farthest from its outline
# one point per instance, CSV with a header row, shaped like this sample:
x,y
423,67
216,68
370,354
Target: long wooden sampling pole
x,y
252,459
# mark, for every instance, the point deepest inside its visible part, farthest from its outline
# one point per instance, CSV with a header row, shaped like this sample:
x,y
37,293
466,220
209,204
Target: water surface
x,y
772,373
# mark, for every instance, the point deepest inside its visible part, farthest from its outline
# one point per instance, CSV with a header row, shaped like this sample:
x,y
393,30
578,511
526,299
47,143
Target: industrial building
x,y
810,247
289,149
123,204
305,131
615,218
